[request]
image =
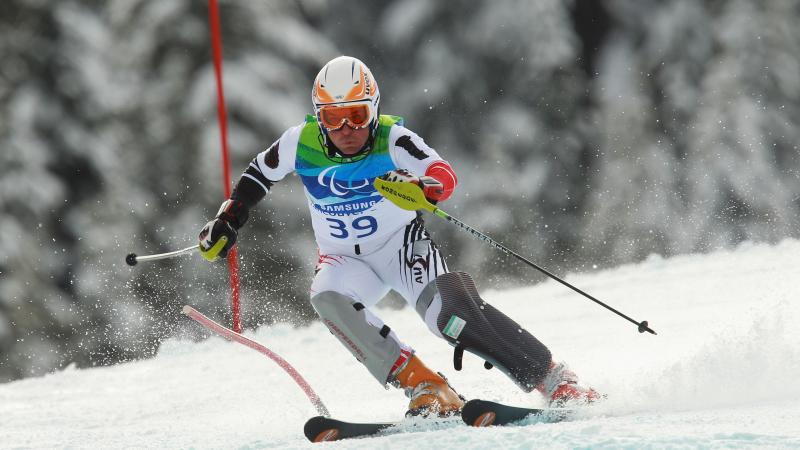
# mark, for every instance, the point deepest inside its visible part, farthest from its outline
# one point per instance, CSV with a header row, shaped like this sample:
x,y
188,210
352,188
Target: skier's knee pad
x,y
469,323
368,339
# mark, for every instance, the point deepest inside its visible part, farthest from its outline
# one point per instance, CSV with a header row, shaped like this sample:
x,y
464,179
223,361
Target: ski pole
x,y
132,259
409,196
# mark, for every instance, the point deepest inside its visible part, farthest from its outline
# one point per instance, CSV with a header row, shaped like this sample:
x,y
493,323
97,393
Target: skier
x,y
367,245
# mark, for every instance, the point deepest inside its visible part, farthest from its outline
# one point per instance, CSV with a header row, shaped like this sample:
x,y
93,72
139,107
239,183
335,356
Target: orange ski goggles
x,y
334,117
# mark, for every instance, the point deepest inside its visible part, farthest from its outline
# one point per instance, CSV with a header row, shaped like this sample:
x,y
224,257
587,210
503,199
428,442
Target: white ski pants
x,y
346,287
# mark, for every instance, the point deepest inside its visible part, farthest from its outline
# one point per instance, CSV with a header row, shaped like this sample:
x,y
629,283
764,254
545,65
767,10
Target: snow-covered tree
x,y
698,114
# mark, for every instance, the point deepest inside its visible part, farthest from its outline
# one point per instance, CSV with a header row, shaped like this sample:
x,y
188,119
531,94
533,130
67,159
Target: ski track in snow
x,y
722,373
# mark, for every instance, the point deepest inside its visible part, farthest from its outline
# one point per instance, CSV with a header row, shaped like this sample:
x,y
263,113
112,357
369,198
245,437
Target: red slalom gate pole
x,y
233,255
237,337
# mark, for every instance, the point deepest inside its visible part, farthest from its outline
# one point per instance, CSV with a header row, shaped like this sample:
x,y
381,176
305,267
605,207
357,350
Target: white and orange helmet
x,y
345,92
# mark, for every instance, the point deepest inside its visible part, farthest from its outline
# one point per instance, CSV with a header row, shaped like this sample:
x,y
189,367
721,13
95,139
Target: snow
x,y
721,373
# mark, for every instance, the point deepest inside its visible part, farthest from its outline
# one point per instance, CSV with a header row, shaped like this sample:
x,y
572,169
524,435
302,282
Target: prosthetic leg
x,y
453,310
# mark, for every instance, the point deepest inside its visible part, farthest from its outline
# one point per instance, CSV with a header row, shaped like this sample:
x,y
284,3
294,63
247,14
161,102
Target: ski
x,y
483,413
323,429
477,413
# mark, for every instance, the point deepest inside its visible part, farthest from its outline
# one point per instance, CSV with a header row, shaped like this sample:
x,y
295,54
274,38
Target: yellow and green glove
x,y
219,235
216,238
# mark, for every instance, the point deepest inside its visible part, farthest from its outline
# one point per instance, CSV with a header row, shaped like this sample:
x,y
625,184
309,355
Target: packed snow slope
x,y
722,372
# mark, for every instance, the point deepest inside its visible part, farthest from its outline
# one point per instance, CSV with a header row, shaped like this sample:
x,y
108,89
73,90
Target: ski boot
x,y
561,388
430,393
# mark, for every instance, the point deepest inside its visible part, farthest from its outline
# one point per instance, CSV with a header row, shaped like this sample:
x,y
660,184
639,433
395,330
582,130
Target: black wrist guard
x,y
234,212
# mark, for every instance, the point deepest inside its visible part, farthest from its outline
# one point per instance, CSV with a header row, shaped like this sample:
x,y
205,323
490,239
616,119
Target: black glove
x,y
216,238
219,235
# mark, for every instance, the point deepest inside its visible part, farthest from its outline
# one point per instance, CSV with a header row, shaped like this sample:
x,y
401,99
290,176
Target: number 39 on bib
x,y
359,227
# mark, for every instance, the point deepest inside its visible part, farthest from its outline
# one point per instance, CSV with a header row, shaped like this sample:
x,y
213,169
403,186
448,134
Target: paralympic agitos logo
x,y
349,188
335,194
